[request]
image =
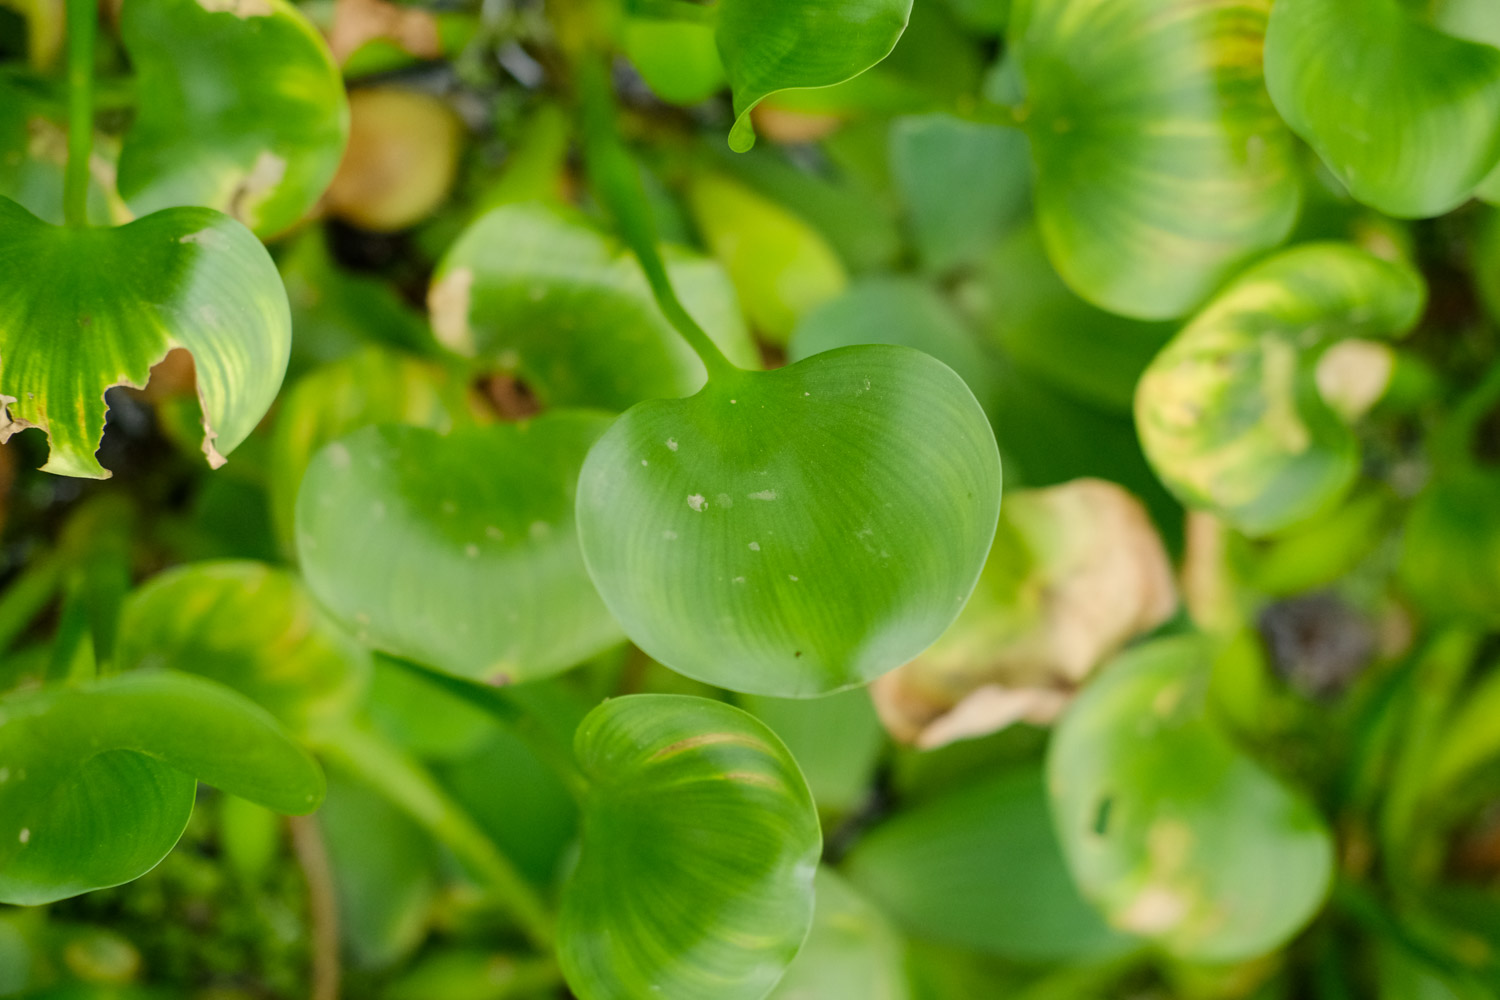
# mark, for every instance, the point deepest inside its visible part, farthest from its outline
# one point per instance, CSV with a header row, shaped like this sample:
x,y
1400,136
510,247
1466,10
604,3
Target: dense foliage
x,y
503,500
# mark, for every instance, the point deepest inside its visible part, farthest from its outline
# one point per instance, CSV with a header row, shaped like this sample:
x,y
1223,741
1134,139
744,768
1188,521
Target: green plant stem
x,y
83,24
510,712
312,856
388,770
616,181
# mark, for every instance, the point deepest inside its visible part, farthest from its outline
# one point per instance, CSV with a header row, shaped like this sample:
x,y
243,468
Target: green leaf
x,y
374,386
253,628
962,184
904,312
85,309
851,953
700,843
1046,329
780,265
34,155
981,868
385,871
677,59
537,291
239,107
1168,827
98,780
1248,411
1450,548
457,551
837,741
785,45
1161,167
1405,114
798,531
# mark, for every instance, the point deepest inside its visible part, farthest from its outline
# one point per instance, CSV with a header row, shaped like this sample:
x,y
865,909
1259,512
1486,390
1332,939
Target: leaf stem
x,y
312,856
83,25
406,784
617,184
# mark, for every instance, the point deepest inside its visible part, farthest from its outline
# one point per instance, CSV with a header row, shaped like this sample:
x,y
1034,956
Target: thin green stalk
x,y
386,769
83,24
616,181
513,714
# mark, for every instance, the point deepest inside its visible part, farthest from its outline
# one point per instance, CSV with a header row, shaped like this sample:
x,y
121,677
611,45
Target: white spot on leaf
x,y
696,501
763,495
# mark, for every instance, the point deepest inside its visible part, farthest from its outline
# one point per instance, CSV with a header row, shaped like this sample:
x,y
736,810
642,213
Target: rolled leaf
x,y
1405,113
1161,166
700,843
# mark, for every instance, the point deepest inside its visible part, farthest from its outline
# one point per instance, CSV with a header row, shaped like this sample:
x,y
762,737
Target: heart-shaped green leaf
x,y
85,309
251,627
1247,412
794,44
1404,113
97,781
1161,167
1169,828
980,868
533,290
457,551
240,107
797,531
851,953
700,843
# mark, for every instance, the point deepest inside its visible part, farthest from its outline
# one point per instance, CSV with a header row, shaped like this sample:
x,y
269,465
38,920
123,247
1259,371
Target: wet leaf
x,y
700,843
118,300
459,550
798,531
1161,166
1169,828
1240,414
239,107
99,779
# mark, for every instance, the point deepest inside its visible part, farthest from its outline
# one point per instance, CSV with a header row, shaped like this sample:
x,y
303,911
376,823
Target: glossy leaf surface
x,y
981,868
851,953
700,843
533,290
457,551
1169,828
786,45
1161,166
85,309
1238,413
797,531
251,627
241,108
122,754
1404,113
